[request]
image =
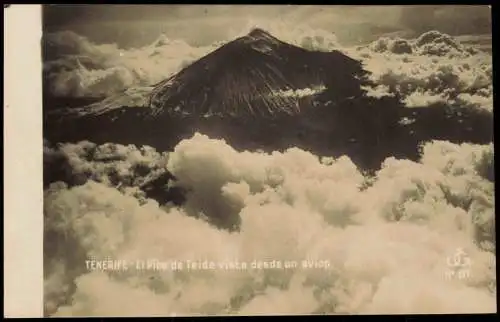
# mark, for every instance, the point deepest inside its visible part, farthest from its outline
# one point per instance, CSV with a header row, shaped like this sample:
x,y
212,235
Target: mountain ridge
x,y
248,75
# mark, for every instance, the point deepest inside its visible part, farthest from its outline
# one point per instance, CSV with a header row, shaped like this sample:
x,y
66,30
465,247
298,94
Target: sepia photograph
x,y
241,160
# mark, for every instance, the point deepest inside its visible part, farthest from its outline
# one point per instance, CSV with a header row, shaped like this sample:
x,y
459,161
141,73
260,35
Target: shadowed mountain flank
x,y
256,74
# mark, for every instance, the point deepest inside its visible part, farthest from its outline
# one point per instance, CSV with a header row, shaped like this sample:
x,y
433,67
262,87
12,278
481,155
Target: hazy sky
x,y
136,25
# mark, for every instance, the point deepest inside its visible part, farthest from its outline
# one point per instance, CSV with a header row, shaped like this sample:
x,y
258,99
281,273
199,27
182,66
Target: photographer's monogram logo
x,y
458,265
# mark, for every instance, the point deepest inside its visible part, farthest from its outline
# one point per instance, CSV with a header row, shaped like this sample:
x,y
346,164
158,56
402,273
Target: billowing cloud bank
x,y
74,66
386,238
433,68
119,166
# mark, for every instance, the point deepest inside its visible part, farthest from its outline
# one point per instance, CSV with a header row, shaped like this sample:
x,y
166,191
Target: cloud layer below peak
x,y
377,233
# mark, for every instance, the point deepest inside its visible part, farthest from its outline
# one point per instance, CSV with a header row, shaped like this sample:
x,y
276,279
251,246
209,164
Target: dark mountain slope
x,y
251,75
366,129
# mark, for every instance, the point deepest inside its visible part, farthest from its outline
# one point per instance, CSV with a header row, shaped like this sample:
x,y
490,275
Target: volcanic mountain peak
x,y
248,76
260,34
260,40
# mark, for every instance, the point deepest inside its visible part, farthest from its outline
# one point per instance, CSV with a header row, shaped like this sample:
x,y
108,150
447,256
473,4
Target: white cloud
x,y
423,99
124,167
378,91
293,206
436,69
106,69
299,93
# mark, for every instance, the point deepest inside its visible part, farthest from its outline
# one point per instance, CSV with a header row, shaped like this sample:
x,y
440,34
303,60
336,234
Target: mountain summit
x,y
256,74
258,34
